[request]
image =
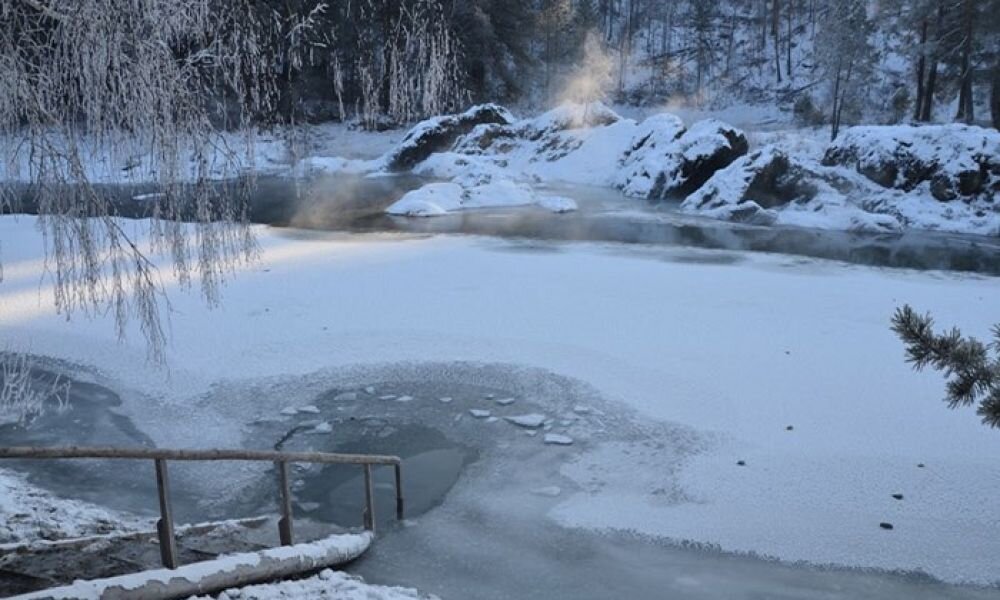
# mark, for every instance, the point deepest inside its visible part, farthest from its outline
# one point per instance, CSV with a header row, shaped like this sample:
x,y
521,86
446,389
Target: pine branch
x,y
965,362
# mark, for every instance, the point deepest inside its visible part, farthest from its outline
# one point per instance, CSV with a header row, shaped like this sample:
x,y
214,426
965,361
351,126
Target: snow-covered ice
x,y
735,351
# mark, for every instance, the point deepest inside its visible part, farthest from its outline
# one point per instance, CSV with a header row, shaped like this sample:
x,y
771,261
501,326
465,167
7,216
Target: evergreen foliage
x,y
973,377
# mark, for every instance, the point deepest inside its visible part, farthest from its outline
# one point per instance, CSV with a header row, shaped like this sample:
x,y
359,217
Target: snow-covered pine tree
x,y
974,376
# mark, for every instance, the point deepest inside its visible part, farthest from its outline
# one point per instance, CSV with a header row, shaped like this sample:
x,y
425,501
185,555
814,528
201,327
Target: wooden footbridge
x,y
229,570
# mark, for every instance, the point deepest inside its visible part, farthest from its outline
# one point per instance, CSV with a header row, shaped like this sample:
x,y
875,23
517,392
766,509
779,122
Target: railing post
x,y
165,526
369,515
285,522
399,491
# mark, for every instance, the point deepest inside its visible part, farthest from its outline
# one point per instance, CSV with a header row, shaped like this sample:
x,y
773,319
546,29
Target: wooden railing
x,y
160,456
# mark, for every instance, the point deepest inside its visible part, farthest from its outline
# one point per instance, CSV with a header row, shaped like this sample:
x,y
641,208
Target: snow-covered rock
x,y
879,179
665,158
437,199
431,200
771,186
439,133
957,160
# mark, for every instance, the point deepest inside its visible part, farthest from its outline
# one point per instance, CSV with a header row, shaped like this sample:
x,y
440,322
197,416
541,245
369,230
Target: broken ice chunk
x,y
558,439
550,490
532,421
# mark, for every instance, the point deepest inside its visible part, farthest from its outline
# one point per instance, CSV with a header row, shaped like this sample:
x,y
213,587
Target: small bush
x,y
23,395
806,113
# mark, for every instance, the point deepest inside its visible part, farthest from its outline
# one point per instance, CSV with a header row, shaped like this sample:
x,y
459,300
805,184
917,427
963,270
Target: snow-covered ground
x,y
31,514
738,350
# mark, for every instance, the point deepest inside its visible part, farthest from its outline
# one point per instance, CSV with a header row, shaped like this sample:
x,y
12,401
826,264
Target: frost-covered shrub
x,y
899,105
806,113
23,395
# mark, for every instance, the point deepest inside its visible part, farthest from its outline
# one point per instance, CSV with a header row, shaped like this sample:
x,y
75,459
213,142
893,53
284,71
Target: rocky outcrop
x,y
954,161
440,133
708,146
768,177
772,186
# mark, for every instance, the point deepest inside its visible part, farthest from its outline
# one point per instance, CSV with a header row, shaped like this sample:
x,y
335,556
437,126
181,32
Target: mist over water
x,y
353,203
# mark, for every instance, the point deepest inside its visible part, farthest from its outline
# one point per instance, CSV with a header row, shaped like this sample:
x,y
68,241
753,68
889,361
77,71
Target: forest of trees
x,y
832,60
394,61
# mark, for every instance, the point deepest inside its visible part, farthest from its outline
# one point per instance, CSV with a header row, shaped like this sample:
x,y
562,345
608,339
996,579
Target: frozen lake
x,y
687,345
478,490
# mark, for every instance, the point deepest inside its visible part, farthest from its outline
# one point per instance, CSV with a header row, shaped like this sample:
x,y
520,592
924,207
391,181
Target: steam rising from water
x,y
592,78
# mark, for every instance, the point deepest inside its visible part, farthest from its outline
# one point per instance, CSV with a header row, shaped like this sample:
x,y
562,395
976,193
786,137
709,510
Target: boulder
x,y
665,158
440,133
768,178
708,146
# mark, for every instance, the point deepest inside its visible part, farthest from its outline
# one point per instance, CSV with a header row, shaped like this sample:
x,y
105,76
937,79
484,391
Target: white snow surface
x,y
736,351
29,514
328,584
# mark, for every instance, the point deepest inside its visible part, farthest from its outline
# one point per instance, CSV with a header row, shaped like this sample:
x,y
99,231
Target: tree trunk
x,y
966,110
927,106
788,42
995,94
834,125
921,70
776,32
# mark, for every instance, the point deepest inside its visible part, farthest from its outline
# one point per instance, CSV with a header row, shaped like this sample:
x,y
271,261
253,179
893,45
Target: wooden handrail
x,y
196,455
160,456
